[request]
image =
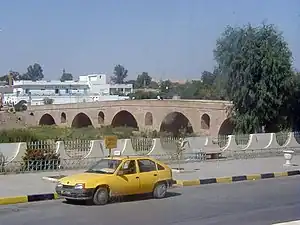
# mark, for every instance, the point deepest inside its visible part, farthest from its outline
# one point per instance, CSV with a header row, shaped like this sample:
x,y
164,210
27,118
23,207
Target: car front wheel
x,y
160,190
101,196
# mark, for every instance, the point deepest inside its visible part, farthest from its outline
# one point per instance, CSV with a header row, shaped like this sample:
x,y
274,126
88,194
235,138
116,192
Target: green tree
x,y
34,73
143,95
293,105
120,73
208,78
166,89
153,85
130,82
165,86
66,76
143,80
257,63
15,76
189,90
220,85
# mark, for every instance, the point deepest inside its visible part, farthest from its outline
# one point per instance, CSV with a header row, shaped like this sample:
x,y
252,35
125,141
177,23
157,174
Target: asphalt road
x,y
259,203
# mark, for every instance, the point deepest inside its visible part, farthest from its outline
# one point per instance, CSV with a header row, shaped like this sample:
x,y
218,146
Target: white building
x,y
88,88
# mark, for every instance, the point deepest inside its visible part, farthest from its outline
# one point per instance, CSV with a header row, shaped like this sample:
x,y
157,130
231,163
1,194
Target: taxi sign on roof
x,y
117,153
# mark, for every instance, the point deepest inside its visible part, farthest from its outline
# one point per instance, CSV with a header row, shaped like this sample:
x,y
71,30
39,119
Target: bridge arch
x,y
124,119
175,123
81,120
227,127
47,119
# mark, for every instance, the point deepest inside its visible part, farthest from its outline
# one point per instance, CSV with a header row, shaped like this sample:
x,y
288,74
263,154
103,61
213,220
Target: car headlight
x,y
59,185
79,186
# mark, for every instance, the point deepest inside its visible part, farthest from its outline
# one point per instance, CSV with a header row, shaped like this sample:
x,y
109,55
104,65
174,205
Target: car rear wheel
x,y
160,190
101,196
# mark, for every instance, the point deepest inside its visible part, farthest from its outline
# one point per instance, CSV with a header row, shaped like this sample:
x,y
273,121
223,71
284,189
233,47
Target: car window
x,y
160,167
129,167
146,165
107,166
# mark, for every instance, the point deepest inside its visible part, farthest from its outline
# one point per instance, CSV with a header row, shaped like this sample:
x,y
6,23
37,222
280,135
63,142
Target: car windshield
x,y
105,166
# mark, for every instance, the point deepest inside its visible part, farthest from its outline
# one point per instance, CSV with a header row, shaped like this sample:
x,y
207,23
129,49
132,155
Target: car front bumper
x,y
75,194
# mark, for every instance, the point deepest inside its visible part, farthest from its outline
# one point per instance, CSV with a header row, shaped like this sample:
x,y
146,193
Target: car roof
x,y
130,157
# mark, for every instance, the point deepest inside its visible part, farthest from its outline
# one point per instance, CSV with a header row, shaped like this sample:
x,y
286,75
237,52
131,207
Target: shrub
x,y
39,159
61,134
18,135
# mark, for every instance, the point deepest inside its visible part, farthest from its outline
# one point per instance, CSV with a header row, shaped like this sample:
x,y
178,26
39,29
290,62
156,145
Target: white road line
x,y
50,179
296,222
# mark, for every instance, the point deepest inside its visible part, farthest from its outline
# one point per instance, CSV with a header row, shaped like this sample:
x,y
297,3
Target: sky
x,y
169,39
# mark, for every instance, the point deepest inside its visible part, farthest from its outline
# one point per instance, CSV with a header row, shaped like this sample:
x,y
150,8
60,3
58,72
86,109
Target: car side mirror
x,y
120,173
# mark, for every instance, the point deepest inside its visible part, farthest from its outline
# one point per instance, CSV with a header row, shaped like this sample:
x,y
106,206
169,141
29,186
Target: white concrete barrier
x,y
259,141
262,141
292,142
272,142
157,148
13,151
196,144
231,144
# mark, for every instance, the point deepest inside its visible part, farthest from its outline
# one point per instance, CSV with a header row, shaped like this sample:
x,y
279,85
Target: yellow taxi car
x,y
117,176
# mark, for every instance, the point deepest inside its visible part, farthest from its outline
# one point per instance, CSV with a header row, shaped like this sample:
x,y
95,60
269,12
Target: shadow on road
x,y
120,199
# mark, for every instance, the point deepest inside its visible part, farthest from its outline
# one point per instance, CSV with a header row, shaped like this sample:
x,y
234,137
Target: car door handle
x,y
155,175
137,177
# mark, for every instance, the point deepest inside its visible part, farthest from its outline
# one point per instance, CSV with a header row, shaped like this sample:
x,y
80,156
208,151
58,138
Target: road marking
x,y
295,222
54,180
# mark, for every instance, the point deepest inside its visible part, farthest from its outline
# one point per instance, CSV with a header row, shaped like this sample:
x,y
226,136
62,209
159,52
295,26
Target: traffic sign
x,y
110,142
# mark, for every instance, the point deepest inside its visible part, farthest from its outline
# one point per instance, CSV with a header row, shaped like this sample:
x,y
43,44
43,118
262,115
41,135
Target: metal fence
x,y
77,148
45,145
142,146
169,143
80,148
70,164
73,148
281,138
170,159
242,140
257,153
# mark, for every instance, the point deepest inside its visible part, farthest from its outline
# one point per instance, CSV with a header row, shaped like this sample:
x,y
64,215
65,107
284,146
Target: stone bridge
x,y
199,116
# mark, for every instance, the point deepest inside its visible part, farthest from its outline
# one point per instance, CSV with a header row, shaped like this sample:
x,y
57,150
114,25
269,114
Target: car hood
x,y
82,178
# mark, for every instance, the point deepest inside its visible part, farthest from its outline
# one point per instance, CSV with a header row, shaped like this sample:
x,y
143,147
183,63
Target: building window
x,y
67,91
113,91
56,91
26,91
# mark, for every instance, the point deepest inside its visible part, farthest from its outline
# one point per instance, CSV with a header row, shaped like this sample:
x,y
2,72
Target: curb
x,y
179,183
233,179
28,198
